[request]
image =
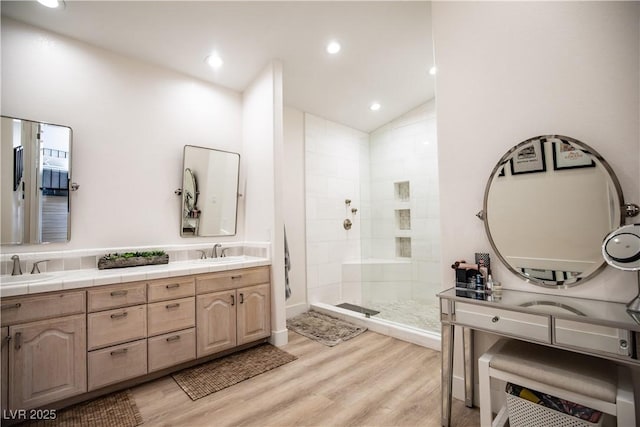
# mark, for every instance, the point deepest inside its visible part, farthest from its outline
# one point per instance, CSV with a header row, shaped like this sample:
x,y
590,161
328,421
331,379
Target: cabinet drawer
x,y
528,326
232,279
118,363
27,309
122,295
167,316
170,349
165,289
593,337
116,326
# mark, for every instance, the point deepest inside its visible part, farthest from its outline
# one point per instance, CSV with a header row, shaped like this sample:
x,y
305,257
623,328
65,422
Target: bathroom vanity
x,y
598,328
96,339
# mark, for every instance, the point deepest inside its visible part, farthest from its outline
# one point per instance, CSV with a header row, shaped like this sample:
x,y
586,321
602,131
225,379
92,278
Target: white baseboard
x,y
279,338
294,310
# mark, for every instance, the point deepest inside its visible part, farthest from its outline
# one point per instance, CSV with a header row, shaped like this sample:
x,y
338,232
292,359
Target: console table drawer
x,y
528,326
593,337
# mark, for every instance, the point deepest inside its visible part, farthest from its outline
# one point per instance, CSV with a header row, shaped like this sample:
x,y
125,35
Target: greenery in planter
x,y
132,259
126,255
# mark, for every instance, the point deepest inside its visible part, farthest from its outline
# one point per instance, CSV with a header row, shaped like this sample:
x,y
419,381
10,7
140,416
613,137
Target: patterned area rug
x,y
323,328
218,374
114,410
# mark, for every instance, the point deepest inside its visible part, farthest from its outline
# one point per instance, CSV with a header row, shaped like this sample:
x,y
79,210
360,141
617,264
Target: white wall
x,y
333,169
508,71
263,147
130,121
294,208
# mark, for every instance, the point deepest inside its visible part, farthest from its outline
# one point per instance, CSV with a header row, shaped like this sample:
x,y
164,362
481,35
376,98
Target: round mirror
x,y
548,205
621,248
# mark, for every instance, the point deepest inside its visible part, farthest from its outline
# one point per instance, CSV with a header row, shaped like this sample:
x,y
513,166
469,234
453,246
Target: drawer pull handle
x,y
233,300
18,344
119,316
173,286
121,351
241,298
174,305
495,319
173,338
624,344
239,276
9,306
120,293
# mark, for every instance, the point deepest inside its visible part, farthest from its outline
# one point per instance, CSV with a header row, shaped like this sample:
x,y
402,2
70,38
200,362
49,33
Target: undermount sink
x,y
226,259
24,278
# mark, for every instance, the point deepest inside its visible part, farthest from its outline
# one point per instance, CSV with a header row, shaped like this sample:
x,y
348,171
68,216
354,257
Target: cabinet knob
x,y
117,352
239,276
624,344
174,305
495,319
173,338
173,285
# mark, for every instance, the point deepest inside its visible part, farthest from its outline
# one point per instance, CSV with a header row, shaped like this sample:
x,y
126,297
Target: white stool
x,y
589,381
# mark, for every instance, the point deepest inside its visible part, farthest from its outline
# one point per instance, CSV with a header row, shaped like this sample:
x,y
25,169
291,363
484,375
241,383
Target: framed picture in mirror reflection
x,y
529,158
566,156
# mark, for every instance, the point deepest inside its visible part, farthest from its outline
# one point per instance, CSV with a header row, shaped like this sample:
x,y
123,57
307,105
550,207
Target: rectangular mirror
x,y
209,192
36,173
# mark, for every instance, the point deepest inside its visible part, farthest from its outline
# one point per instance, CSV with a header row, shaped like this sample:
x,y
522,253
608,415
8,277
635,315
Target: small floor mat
x,y
113,410
358,309
202,380
326,329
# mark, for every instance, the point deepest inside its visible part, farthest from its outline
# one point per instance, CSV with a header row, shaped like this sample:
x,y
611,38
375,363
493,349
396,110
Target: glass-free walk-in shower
x,y
373,224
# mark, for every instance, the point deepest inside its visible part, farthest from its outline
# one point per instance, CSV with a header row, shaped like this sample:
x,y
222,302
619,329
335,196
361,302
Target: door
x,y
254,313
47,361
215,322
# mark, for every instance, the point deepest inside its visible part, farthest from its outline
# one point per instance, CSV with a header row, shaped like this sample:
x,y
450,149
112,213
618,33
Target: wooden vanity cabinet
x,y
238,313
44,348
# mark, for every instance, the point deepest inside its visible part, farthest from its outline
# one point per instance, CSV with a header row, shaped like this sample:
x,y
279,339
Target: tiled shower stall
x,y
386,184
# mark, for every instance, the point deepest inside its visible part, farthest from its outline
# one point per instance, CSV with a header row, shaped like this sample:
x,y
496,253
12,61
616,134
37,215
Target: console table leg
x,y
447,372
467,344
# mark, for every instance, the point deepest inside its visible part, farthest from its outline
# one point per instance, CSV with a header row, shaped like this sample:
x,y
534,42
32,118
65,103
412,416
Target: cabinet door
x,y
216,322
47,361
4,334
254,313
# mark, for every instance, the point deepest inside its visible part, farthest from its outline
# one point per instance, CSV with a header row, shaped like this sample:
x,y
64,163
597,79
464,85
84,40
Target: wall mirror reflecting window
x,y
209,192
36,176
548,205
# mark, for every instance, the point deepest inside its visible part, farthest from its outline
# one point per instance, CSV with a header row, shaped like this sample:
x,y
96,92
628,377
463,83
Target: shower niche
x,y
402,193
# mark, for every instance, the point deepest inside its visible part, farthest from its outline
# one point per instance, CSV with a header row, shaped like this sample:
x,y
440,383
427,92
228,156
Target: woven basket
x,y
524,413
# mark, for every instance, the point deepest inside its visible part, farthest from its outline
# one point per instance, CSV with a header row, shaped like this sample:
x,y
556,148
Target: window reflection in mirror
x,y
209,192
36,169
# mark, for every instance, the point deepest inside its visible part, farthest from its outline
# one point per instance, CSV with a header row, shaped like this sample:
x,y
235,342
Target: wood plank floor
x,y
371,380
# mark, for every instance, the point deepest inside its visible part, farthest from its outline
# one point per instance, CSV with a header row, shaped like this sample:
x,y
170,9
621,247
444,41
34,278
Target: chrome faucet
x,y
214,251
17,270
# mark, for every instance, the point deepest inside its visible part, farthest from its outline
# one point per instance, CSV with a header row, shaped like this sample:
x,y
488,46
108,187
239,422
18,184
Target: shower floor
x,y
418,314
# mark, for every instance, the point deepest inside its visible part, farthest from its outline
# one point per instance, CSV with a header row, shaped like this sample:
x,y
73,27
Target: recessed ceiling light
x,y
433,70
333,47
374,107
214,61
51,3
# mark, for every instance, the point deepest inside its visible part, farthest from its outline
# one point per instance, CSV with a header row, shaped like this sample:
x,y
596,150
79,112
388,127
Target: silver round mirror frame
x,y
560,284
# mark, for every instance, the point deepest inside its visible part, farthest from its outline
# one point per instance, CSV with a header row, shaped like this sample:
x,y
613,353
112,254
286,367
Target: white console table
x,y
597,328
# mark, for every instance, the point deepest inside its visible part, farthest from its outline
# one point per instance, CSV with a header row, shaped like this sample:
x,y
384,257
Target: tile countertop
x,y
75,279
